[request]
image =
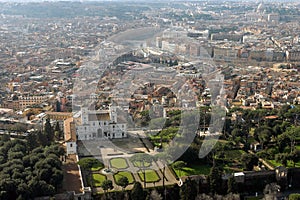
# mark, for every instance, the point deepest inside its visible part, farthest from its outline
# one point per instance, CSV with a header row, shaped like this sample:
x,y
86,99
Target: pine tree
x,y
215,180
58,109
48,131
57,131
31,141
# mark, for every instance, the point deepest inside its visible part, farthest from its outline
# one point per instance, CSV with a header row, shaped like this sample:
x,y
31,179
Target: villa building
x,y
97,124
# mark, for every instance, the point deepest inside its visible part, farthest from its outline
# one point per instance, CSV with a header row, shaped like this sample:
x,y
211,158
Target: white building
x,y
70,136
97,124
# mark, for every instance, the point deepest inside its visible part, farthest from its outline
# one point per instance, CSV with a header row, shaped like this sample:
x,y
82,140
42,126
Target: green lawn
x,y
97,167
124,173
193,170
151,176
289,163
139,164
98,179
119,163
231,169
233,154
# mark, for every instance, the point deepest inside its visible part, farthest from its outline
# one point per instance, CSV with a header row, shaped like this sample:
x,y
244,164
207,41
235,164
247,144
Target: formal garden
x,y
126,174
244,146
150,175
98,179
118,163
96,173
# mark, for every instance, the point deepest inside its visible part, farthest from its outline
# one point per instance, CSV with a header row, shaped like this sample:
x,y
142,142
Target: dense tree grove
x,y
27,171
137,192
188,190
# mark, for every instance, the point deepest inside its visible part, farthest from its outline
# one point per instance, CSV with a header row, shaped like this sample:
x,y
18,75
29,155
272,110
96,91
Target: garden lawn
x,y
233,154
151,176
193,170
119,163
98,179
139,164
289,163
126,174
97,167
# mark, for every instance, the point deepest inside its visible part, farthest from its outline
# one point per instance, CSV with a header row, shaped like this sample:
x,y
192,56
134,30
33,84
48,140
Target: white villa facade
x,y
97,124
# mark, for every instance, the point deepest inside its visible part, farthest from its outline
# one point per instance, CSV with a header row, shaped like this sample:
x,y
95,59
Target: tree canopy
x,y
26,176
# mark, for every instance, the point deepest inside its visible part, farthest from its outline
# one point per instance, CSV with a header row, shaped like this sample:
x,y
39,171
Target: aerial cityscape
x,y
150,100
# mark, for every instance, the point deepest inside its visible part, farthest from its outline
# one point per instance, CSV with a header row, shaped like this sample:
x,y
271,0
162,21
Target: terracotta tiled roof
x,y
69,130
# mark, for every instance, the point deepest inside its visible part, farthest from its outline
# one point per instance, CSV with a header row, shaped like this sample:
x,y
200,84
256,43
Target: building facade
x,y
97,124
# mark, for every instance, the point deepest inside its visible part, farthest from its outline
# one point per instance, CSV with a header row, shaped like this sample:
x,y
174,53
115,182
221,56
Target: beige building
x,y
27,101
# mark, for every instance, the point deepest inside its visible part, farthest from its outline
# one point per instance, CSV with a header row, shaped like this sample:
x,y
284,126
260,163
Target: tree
x,y
179,165
107,185
88,163
276,130
137,192
188,190
123,182
48,131
231,185
58,106
145,117
282,158
263,134
249,161
294,197
215,180
54,149
42,138
295,156
292,133
154,195
19,127
203,196
271,190
57,131
236,132
29,176
5,138
31,141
